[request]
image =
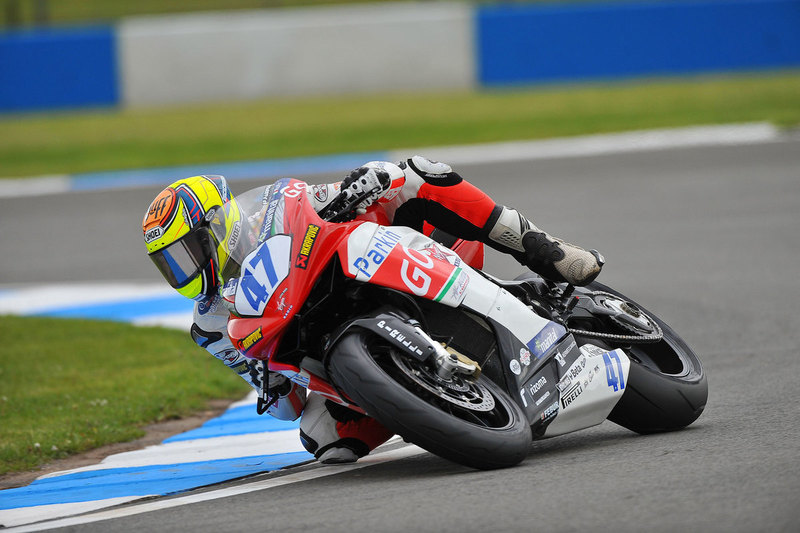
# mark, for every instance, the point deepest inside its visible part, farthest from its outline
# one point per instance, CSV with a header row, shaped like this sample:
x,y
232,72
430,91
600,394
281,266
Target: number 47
x,y
616,378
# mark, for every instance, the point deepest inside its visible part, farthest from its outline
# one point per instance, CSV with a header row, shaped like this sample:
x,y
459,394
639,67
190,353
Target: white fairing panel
x,y
589,389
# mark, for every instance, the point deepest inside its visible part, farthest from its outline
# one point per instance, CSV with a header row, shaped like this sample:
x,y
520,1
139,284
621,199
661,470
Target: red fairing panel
x,y
403,259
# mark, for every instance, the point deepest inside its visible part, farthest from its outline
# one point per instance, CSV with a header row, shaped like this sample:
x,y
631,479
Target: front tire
x,y
484,430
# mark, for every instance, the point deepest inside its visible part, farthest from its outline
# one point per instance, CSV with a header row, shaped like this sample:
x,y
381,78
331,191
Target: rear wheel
x,y
471,422
667,388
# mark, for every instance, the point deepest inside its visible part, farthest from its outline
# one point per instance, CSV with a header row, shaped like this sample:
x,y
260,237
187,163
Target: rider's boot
x,y
335,434
548,256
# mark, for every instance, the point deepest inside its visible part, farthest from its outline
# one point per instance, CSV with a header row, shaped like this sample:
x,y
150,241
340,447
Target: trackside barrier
x,y
58,68
526,43
357,49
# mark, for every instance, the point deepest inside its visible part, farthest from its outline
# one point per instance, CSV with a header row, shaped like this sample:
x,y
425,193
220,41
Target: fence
x,y
170,59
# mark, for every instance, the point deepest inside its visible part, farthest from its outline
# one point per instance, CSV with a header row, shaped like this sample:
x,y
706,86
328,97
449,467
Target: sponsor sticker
x,y
235,232
396,334
320,192
251,339
592,351
228,356
305,248
525,357
276,193
381,245
208,305
545,339
536,387
514,366
550,412
153,234
571,394
461,285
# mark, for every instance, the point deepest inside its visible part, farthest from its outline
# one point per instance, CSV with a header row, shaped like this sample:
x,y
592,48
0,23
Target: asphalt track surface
x,y
706,238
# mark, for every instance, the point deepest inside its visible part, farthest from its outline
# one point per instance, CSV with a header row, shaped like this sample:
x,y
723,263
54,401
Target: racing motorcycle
x,y
406,328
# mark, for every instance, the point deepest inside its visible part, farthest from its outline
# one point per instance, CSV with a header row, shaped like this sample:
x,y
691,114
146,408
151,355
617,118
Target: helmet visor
x,y
182,261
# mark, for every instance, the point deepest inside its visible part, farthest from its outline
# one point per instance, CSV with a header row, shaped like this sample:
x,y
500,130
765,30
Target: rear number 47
x,y
615,377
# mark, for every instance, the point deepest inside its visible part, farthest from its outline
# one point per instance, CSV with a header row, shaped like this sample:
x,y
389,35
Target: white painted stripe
x,y
192,451
591,145
313,473
50,297
582,146
18,187
38,513
180,321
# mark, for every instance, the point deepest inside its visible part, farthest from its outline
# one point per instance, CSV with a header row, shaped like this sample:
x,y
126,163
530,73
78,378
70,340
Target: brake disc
x,y
458,391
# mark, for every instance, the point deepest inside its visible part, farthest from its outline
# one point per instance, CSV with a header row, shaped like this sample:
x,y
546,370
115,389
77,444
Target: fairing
x,y
292,245
561,387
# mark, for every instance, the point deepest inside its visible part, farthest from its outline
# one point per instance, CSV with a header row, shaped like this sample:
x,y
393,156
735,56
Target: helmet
x,y
190,229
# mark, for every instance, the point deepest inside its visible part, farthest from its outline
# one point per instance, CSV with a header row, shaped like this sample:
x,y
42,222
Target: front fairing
x,y
291,246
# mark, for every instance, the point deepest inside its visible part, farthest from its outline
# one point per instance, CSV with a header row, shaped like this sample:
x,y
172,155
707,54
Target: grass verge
x,y
102,140
67,386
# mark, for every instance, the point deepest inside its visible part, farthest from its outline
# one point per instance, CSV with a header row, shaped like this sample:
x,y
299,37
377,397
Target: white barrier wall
x,y
300,51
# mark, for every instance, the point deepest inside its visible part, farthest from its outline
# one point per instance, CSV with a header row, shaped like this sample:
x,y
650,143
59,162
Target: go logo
x,y
419,282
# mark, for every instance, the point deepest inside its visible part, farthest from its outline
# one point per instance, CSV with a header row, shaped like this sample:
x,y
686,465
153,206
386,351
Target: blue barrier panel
x,y
557,42
57,68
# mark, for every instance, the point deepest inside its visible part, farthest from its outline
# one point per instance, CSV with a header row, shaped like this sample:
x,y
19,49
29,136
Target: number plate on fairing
x,y
589,388
262,271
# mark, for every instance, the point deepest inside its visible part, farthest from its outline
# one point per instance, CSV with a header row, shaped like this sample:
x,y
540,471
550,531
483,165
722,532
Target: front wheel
x,y
470,422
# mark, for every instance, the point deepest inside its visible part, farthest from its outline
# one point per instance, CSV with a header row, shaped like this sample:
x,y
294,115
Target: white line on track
x,y
601,144
579,146
307,475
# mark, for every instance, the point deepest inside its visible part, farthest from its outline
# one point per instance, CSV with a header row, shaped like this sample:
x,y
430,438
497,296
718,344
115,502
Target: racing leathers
x,y
420,194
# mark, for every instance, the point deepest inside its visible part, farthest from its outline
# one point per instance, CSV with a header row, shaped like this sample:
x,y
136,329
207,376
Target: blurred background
x,y
100,85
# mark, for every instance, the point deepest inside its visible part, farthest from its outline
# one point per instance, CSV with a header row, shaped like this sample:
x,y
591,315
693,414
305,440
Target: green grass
x,y
98,11
67,386
111,139
78,11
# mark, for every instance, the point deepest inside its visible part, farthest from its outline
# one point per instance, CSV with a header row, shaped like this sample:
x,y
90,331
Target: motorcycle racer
x,y
197,246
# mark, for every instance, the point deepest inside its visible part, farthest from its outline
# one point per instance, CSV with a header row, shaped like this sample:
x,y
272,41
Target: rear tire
x,y
667,388
375,375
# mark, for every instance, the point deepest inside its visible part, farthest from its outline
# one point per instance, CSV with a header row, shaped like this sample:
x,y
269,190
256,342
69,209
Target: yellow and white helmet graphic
x,y
190,229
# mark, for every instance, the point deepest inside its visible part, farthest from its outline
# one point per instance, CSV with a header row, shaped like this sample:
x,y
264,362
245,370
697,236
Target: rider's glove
x,y
278,383
364,179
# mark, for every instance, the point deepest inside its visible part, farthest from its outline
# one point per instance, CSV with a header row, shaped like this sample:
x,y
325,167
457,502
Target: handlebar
x,y
342,209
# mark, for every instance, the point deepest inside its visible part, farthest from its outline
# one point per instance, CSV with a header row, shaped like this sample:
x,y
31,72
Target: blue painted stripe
x,y
237,421
245,170
142,480
530,43
126,310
